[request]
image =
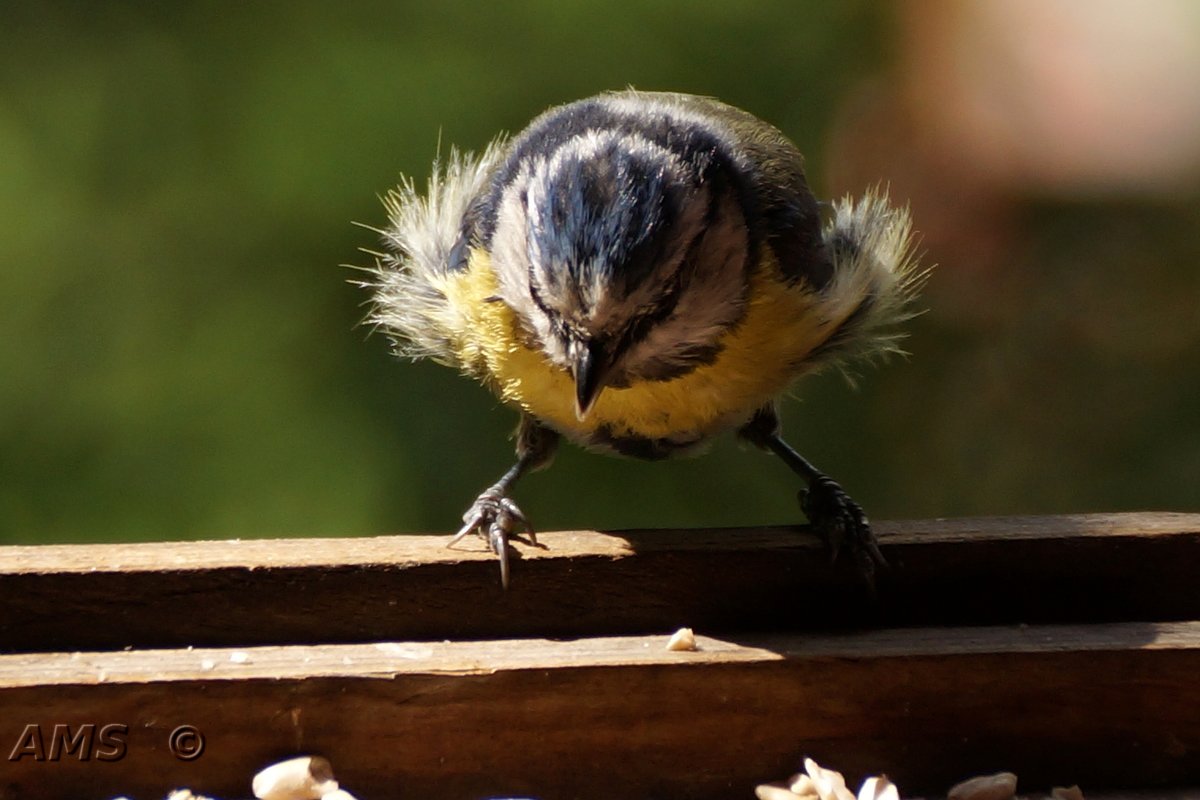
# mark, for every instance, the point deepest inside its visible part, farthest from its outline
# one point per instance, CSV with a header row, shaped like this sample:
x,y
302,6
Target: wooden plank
x,y
944,572
1107,706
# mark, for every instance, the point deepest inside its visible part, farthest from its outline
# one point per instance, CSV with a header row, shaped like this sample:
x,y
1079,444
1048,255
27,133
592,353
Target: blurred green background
x,y
179,350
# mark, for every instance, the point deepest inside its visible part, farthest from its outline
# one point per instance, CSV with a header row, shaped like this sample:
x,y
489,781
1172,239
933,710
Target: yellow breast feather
x,y
758,360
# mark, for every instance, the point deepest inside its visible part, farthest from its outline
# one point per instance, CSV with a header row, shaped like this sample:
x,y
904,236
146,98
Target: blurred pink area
x,y
1062,95
993,102
1058,96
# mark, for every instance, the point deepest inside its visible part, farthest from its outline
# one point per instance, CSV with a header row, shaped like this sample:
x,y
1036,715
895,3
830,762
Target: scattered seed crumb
x,y
820,783
829,783
683,639
1001,786
878,788
185,794
774,791
1066,793
803,786
303,778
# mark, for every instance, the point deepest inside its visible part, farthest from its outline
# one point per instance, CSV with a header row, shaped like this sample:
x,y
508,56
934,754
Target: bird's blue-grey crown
x,y
599,212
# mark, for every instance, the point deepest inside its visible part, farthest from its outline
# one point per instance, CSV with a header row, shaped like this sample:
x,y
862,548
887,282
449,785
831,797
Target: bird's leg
x,y
494,515
838,520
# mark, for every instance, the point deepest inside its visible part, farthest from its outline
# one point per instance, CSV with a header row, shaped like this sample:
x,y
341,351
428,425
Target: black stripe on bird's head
x,y
600,213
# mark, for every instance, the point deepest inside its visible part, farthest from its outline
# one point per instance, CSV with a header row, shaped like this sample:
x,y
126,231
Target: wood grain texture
x,y
1105,706
1082,568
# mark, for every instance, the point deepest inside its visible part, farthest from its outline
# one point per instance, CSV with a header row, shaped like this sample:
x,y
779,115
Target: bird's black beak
x,y
590,371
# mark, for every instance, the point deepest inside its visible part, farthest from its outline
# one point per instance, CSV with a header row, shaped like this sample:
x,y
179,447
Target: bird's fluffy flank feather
x,y
876,265
408,302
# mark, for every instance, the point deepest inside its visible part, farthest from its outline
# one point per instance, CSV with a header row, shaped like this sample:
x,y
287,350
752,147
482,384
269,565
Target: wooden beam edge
x,y
408,550
389,660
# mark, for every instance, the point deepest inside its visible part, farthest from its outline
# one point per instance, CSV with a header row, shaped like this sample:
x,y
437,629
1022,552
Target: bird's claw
x,y
495,517
841,523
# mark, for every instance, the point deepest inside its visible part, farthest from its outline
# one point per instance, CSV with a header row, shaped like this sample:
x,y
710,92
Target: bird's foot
x,y
495,518
842,525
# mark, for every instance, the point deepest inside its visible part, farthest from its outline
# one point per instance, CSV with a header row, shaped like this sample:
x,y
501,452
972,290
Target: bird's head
x,y
622,262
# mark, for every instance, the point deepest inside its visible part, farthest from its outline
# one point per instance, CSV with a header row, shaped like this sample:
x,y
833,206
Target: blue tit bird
x,y
639,272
